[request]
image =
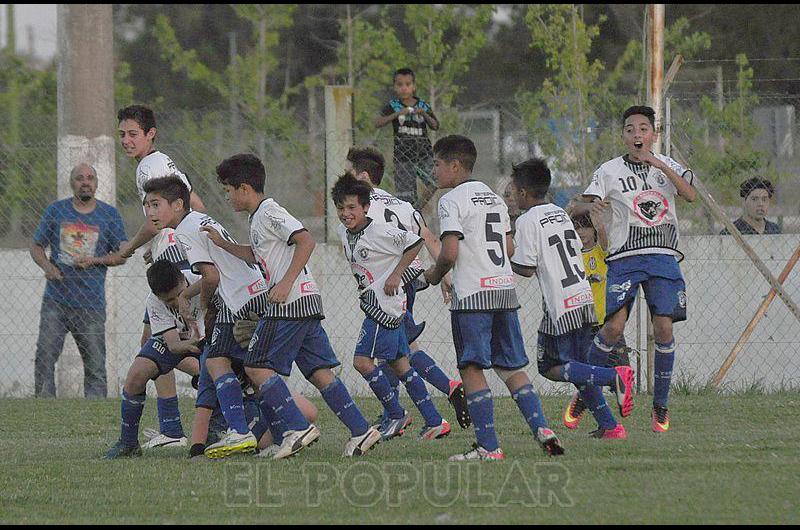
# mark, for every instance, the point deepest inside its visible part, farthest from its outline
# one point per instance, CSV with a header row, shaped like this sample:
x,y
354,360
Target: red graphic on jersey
x,y
651,207
171,238
497,282
363,276
264,269
578,300
309,288
257,287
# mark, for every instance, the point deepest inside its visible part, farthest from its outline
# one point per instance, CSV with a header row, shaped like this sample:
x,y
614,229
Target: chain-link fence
x,y
723,288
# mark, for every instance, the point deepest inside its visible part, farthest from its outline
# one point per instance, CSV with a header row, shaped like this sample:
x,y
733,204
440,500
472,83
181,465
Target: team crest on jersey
x,y
363,253
276,222
661,179
592,263
651,207
443,213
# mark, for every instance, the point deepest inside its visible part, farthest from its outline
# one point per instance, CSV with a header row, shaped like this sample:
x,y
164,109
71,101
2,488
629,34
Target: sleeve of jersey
x,y
142,176
525,253
685,173
195,245
392,240
419,222
387,110
450,224
282,224
161,320
597,186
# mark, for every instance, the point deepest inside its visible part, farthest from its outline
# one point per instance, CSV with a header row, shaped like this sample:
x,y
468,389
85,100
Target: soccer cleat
x,y
574,412
390,428
617,433
122,451
549,441
478,453
458,399
358,445
156,439
232,443
269,452
296,441
624,390
660,419
435,432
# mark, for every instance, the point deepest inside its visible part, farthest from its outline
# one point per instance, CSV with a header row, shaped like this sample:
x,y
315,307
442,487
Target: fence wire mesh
x,y
723,287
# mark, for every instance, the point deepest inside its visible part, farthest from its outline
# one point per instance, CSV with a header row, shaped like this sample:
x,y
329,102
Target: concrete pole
x,y
86,133
338,139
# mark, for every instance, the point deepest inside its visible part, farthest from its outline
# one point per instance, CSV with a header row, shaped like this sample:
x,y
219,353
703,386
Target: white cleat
x,y
269,451
296,441
358,445
233,443
156,439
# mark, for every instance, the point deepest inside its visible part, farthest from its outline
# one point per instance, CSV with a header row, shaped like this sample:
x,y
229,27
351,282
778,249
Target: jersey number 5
x,y
495,237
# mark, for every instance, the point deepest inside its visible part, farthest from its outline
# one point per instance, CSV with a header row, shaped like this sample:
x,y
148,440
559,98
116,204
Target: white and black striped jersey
x,y
386,208
271,231
643,215
153,166
373,254
163,318
546,239
482,276
242,288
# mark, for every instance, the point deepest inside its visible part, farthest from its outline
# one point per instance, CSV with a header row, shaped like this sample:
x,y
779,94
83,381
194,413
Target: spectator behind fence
x,y
410,117
757,193
81,232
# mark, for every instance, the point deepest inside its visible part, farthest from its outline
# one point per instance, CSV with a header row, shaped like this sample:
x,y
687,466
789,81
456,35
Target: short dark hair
x,y
170,188
756,183
349,186
648,112
242,169
140,114
532,175
368,159
457,147
163,276
404,71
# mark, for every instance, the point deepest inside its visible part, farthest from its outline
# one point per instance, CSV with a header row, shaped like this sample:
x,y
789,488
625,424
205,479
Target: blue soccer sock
x,y
664,361
530,406
267,421
380,386
391,376
275,395
169,417
422,400
599,351
481,410
586,374
229,394
131,413
341,403
593,398
430,372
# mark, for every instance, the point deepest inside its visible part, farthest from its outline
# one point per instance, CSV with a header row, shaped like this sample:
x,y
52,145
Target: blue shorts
x,y
488,340
378,342
156,350
558,350
660,277
223,344
276,344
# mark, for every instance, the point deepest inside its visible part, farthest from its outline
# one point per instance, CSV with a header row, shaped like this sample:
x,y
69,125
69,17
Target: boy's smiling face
x,y
404,86
135,142
352,214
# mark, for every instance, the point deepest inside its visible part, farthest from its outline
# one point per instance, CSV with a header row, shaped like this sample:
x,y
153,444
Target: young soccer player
x,y
291,331
242,289
410,117
367,165
137,133
545,244
174,344
640,189
379,255
477,245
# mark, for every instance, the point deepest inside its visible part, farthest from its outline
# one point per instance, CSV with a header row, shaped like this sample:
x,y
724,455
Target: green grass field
x,y
726,460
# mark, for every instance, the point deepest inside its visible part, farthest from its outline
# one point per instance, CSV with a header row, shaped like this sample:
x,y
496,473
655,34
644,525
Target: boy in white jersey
x,y
546,244
640,188
241,289
379,255
290,330
367,165
174,344
477,245
137,133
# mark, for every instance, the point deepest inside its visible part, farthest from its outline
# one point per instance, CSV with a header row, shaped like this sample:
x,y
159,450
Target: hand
x,y
447,289
243,330
392,284
126,251
598,207
213,235
650,159
148,257
84,262
185,311
189,346
279,292
53,274
429,277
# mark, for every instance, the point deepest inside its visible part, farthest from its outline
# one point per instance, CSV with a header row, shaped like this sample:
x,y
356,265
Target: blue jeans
x,y
88,328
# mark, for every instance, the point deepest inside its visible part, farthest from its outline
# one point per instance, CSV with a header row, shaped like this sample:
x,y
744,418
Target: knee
x,y
363,365
662,330
136,383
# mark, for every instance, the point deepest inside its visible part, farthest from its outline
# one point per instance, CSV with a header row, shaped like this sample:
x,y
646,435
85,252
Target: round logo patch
x,y
682,299
651,207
